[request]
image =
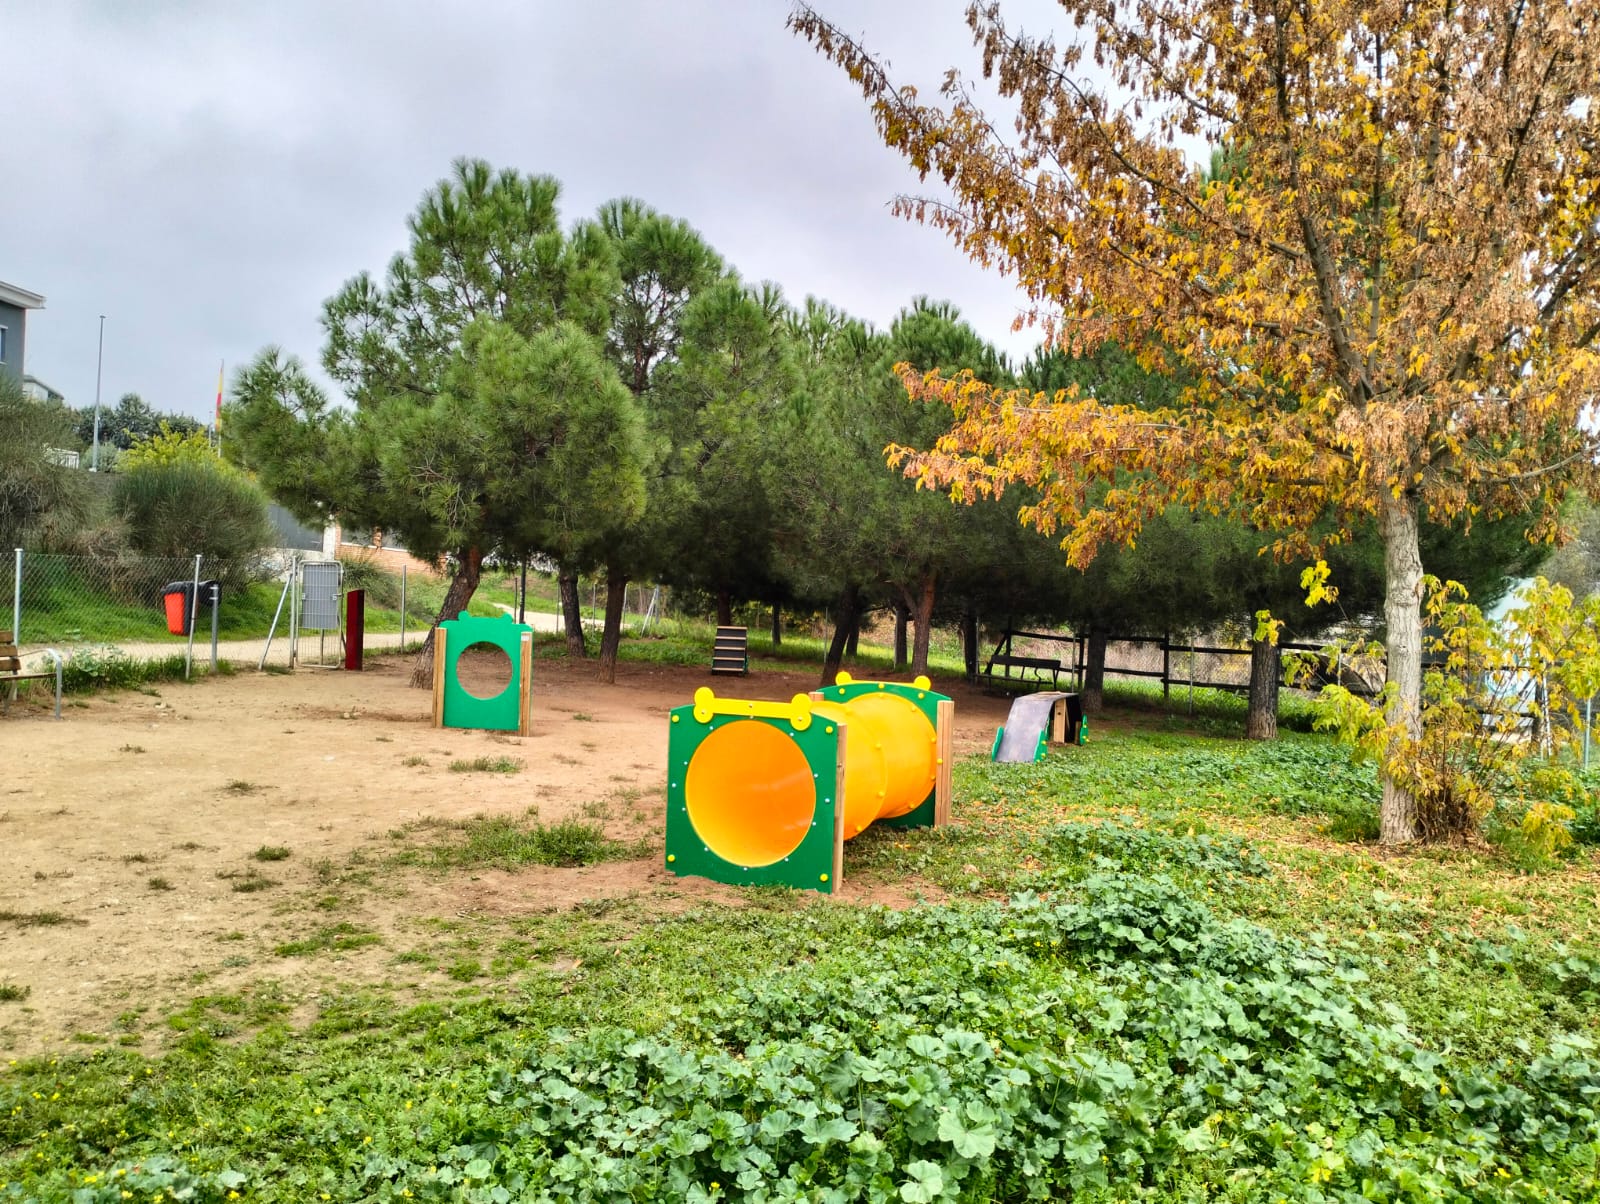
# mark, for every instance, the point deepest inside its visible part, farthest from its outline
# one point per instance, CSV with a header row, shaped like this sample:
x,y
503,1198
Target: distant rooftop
x,y
39,391
11,294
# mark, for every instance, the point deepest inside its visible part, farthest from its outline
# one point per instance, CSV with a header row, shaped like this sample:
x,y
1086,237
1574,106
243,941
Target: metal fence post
x,y
16,602
1588,728
194,605
216,591
294,613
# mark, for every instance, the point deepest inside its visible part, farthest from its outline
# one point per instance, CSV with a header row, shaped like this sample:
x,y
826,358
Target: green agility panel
x,y
454,706
754,793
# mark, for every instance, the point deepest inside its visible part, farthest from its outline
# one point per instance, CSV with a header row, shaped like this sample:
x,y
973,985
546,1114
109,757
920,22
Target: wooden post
x,y
945,734
525,699
438,676
1166,668
838,816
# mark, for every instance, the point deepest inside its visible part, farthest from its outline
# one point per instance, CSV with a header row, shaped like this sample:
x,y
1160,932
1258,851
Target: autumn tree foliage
x,y
1385,306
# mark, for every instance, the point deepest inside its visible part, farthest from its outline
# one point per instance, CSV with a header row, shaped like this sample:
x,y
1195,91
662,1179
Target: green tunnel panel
x,y
925,700
502,713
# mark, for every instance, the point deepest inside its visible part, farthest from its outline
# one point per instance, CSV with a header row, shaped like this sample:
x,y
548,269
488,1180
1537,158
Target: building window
x,y
357,537
2,344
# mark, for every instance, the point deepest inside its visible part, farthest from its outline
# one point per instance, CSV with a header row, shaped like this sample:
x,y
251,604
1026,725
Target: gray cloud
x,y
206,174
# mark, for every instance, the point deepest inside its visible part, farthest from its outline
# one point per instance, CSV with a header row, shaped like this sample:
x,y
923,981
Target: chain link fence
x,y
194,609
143,608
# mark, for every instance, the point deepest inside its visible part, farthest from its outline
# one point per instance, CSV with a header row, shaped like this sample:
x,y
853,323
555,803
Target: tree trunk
x,y
572,613
1402,612
849,608
777,625
852,641
611,634
462,586
1262,723
724,608
969,642
923,616
902,613
1094,673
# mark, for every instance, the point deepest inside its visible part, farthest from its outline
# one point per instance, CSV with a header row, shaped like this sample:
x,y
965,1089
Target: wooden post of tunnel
x,y
525,693
838,814
438,676
944,731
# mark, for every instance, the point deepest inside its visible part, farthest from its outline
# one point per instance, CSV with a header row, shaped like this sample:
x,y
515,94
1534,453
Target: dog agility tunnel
x,y
766,793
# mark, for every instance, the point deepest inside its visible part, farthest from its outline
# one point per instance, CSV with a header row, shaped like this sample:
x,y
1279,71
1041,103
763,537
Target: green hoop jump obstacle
x,y
511,710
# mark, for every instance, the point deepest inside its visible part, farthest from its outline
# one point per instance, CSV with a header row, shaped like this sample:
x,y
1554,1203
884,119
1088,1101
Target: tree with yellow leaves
x,y
1386,305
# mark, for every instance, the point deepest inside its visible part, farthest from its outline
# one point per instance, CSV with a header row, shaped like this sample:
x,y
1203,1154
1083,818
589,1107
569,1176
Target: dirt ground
x,y
127,829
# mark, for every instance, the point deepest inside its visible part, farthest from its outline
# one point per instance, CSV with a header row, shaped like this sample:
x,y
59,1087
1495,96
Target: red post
x,y
355,626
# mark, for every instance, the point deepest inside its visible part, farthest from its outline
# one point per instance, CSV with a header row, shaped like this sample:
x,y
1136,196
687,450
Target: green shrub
x,y
184,507
103,667
382,585
39,500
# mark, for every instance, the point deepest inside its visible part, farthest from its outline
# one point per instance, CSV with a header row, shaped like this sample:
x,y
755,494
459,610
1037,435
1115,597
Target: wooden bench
x,y
730,654
11,668
1031,670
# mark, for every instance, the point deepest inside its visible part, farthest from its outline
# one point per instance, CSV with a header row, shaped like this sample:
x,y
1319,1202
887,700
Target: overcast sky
x,y
206,174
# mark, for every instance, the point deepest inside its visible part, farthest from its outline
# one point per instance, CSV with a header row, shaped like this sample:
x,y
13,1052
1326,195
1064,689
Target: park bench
x,y
11,670
1031,670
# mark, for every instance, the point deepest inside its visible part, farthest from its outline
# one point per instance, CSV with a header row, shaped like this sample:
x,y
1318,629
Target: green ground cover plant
x,y
1155,972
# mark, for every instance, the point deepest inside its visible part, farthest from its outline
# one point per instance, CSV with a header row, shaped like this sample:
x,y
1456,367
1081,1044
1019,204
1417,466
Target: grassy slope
x,y
1401,1033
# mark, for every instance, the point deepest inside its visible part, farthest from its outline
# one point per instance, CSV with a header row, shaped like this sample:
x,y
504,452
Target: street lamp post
x,y
99,360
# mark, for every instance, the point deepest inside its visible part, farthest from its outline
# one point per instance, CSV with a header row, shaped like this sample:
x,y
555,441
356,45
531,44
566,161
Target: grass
x,y
10,992
506,842
330,938
37,919
271,852
1171,946
245,882
487,765
158,883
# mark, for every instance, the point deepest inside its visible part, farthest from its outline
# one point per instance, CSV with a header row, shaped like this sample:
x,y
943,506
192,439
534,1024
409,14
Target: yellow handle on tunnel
x,y
797,710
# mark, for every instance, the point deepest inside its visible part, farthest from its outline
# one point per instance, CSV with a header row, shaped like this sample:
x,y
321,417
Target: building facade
x,y
14,306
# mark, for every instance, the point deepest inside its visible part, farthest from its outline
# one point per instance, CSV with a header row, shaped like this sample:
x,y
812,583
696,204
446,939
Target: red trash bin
x,y
176,600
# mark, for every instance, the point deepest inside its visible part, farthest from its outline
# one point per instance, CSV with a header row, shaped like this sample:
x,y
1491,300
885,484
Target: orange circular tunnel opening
x,y
749,793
